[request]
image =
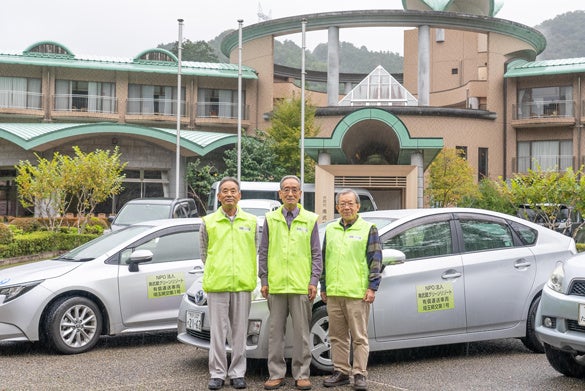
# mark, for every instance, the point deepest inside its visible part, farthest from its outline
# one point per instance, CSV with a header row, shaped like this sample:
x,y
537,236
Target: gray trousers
x,y
299,308
228,311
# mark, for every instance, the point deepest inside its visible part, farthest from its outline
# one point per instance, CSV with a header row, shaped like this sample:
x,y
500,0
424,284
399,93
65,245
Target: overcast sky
x,y
125,28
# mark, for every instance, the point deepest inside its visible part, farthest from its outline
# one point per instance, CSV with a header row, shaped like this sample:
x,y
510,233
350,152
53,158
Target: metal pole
x,y
304,26
240,22
178,151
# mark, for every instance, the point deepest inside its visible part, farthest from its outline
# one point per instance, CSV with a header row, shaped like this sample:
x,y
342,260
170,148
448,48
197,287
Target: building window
x,y
20,93
138,184
461,151
94,97
549,155
545,102
482,163
162,100
219,103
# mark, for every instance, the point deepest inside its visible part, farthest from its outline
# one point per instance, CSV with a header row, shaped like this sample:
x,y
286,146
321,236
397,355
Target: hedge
x,y
43,241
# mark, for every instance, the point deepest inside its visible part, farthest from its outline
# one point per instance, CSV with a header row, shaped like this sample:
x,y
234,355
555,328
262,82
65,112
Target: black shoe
x,y
238,383
337,379
359,383
215,383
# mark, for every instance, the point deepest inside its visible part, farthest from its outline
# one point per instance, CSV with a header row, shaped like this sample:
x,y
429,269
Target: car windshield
x,y
136,213
102,244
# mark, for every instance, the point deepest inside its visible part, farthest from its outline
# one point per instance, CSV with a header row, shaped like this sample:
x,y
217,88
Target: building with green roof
x,y
470,82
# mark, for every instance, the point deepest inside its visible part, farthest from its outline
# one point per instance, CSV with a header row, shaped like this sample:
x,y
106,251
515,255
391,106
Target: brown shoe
x,y
337,379
273,384
359,383
303,384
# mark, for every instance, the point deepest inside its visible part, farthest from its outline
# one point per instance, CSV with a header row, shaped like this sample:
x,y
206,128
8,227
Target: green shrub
x,y
27,224
6,234
42,241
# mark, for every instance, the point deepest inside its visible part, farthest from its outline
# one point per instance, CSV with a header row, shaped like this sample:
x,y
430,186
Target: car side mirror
x,y
392,257
139,256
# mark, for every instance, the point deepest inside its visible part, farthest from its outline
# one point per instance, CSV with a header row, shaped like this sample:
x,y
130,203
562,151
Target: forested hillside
x,y
564,33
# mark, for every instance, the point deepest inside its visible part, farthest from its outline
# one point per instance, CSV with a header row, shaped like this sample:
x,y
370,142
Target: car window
x,y
181,211
421,241
178,246
479,235
527,235
136,213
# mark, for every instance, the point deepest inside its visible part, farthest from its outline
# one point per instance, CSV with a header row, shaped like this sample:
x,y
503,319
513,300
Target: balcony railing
x,y
547,163
10,99
154,106
220,110
545,109
85,103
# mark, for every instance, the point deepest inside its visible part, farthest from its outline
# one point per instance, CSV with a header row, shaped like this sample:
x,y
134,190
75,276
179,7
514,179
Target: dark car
x,y
143,209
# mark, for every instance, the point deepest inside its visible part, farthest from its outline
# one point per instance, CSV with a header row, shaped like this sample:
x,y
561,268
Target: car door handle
x,y
522,264
450,274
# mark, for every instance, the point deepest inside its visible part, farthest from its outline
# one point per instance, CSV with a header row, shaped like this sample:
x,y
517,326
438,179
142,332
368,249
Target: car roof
x,y
170,222
155,200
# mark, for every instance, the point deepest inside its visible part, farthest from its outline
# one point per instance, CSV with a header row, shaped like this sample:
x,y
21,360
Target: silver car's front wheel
x,y
319,341
73,325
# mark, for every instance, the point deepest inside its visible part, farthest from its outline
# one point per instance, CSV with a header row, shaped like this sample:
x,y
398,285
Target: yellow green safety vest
x,y
231,264
289,251
346,265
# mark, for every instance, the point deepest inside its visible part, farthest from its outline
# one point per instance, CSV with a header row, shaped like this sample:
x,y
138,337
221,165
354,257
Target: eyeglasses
x,y
348,204
293,190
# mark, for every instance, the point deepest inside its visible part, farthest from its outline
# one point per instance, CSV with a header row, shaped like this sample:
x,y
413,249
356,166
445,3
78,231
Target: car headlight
x,y
555,282
12,292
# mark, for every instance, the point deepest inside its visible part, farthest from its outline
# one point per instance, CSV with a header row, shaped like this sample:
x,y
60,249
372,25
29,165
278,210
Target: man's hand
x,y
312,292
264,291
324,297
370,296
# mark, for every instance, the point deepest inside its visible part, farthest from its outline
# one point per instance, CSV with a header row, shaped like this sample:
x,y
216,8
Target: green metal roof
x,y
137,64
430,146
31,136
548,67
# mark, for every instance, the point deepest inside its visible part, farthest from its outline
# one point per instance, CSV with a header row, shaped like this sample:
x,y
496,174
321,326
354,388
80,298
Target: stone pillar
x,y
333,66
416,159
424,64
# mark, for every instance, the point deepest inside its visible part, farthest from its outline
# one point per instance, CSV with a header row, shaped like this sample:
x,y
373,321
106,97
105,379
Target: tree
x,y
286,133
493,195
549,194
450,179
95,176
199,51
259,161
44,188
199,179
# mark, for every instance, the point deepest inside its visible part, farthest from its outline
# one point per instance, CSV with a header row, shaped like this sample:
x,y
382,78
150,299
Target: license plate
x,y
581,319
194,320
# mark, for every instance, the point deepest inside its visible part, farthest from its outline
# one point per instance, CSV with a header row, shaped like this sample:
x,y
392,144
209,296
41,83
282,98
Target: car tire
x,y
319,344
73,325
530,340
568,363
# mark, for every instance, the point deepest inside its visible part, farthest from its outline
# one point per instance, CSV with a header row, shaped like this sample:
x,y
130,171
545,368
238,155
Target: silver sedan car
x,y
560,319
451,276
130,280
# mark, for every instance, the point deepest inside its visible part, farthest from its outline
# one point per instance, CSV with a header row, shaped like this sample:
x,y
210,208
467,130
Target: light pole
x,y
240,22
304,27
178,151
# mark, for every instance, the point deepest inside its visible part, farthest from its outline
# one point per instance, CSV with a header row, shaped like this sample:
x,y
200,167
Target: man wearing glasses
x,y
352,263
289,269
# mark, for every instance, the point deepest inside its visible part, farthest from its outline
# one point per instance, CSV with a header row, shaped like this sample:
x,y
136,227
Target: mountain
x,y
564,36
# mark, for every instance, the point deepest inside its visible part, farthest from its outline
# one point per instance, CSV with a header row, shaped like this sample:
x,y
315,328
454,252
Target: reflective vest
x,y
289,251
346,264
231,264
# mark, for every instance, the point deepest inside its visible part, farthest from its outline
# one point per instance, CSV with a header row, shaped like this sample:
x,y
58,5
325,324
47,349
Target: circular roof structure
x,y
473,7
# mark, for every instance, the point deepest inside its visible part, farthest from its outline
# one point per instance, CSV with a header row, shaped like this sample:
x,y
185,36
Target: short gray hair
x,y
228,179
347,191
284,178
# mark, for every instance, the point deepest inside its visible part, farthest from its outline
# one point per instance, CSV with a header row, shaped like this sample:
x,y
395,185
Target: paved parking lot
x,y
158,362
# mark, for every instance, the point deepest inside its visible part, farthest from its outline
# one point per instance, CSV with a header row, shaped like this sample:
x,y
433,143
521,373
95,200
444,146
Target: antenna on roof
x,y
262,16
